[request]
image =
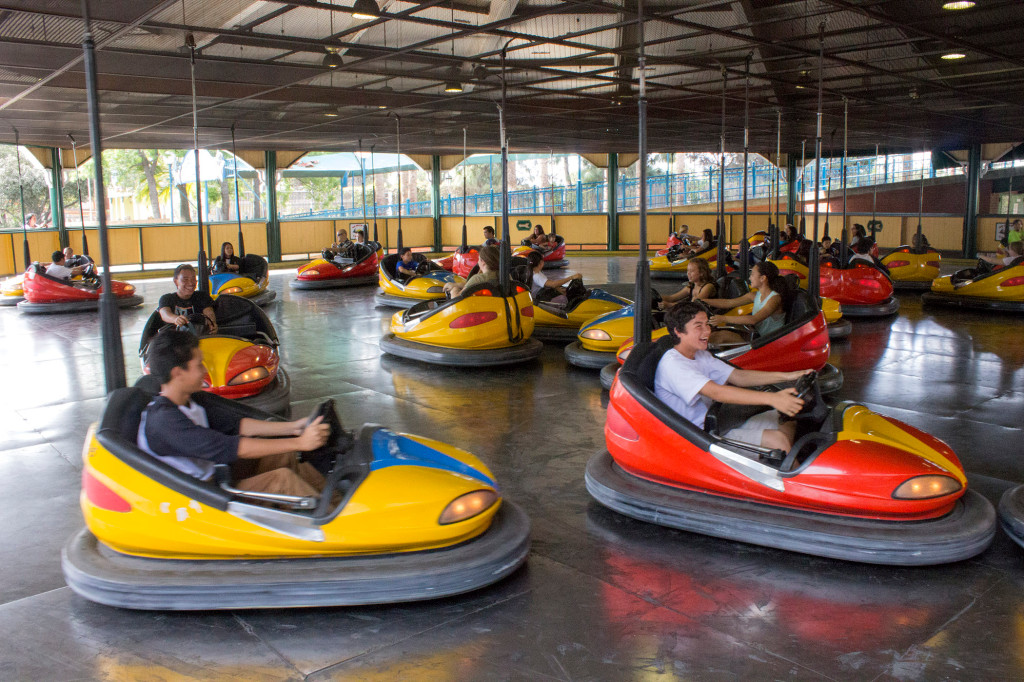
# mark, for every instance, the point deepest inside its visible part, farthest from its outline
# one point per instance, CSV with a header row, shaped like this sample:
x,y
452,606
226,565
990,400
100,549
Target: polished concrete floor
x,y
602,597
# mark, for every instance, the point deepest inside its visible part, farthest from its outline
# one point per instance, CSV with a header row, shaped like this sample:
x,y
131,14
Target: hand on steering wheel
x,y
805,384
423,268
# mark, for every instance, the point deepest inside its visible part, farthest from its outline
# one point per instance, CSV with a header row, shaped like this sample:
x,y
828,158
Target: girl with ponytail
x,y
766,291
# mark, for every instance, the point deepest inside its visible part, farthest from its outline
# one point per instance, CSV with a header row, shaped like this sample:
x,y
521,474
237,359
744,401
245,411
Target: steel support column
x,y
273,224
970,239
57,197
435,198
613,202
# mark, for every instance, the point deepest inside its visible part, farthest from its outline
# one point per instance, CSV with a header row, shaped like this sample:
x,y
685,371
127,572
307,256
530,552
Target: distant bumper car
x,y
982,288
426,285
11,291
480,328
553,259
249,282
856,485
1011,514
335,272
45,294
673,240
555,323
913,270
673,264
802,343
401,518
863,290
242,361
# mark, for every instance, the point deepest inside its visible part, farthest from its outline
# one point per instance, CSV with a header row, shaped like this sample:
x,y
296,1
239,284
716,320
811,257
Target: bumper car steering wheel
x,y
808,389
423,268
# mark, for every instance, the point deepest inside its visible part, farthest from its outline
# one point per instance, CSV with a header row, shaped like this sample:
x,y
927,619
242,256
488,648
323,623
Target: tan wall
x,y
580,229
451,229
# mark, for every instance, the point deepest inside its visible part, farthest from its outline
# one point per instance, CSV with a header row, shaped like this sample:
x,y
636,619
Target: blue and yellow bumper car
x,y
985,287
557,323
401,518
249,282
479,328
673,264
426,285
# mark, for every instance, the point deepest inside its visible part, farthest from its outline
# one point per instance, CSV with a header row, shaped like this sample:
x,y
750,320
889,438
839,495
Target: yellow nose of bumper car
x,y
11,291
913,270
480,328
426,285
984,287
401,518
249,282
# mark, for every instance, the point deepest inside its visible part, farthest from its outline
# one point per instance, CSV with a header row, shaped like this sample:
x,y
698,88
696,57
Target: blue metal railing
x,y
680,189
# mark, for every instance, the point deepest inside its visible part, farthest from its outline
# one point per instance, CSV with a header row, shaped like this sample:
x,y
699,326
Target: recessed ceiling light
x,y
365,10
959,4
950,56
331,114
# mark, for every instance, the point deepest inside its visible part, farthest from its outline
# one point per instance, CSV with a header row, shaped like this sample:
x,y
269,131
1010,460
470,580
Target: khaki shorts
x,y
752,429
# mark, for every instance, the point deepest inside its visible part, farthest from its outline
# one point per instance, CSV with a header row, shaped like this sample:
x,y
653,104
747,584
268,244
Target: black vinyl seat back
x,y
254,267
983,270
732,285
118,434
390,263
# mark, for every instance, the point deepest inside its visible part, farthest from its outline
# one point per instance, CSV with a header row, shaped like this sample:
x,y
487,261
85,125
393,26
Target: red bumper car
x,y
856,485
45,294
331,273
553,259
862,289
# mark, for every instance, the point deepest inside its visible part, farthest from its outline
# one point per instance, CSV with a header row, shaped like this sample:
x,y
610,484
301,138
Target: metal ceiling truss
x,y
572,72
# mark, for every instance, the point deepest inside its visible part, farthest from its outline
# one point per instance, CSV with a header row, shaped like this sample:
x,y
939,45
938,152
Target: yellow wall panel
x,y
451,229
7,259
416,232
581,229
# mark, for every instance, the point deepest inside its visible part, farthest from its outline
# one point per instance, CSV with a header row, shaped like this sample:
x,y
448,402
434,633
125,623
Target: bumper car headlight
x,y
467,506
925,487
596,335
129,288
250,375
434,290
231,290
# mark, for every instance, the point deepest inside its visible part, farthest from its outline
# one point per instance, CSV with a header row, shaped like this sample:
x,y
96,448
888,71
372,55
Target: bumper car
x,y
553,259
982,288
560,323
328,273
862,290
249,282
242,361
11,291
45,294
427,285
802,343
401,518
1011,514
673,264
913,270
479,328
856,485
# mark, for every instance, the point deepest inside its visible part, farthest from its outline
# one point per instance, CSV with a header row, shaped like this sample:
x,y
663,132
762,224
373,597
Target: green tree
x,y
33,181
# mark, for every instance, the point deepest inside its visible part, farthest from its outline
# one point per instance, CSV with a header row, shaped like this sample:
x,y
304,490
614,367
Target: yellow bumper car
x,y
426,285
12,291
401,518
984,287
480,328
673,264
558,323
249,282
913,269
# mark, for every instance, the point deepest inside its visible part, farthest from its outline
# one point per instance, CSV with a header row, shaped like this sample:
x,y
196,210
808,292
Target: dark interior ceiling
x,y
572,73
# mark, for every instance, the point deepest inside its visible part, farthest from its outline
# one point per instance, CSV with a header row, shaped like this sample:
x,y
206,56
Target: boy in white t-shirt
x,y
59,270
689,379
